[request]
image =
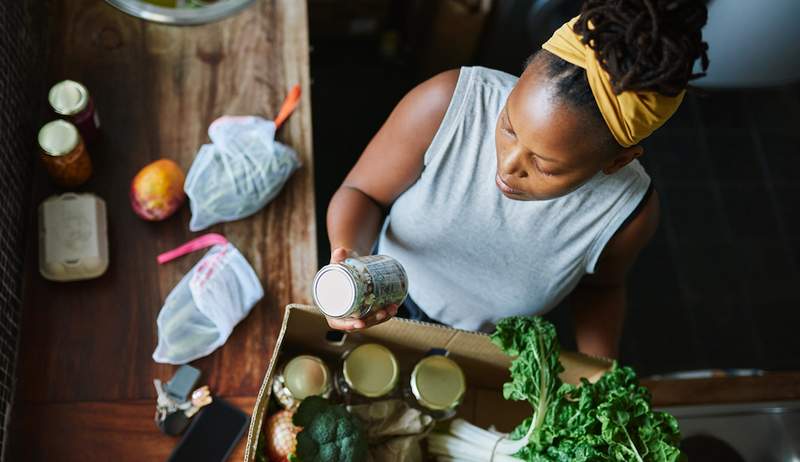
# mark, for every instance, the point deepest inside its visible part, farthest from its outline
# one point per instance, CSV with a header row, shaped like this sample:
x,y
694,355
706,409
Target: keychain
x,y
173,408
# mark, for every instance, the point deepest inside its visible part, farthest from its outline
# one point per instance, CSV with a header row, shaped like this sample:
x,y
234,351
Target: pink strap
x,y
206,240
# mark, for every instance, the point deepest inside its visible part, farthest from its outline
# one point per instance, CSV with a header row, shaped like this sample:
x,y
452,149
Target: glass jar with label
x,y
358,285
369,372
64,154
436,386
301,377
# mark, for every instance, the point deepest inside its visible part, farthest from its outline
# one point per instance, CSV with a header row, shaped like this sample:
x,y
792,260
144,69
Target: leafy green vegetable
x,y
610,420
330,433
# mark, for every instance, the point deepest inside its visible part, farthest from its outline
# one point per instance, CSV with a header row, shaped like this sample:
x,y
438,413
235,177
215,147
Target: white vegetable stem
x,y
468,443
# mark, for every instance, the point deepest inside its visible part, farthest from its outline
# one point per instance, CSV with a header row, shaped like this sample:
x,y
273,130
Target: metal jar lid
x,y
68,97
58,138
438,383
306,376
371,370
335,291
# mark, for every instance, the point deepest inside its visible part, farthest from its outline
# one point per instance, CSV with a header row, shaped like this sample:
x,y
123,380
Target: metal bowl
x,y
181,12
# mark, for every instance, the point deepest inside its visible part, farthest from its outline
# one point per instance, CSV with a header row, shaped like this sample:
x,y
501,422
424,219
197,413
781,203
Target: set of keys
x,y
174,408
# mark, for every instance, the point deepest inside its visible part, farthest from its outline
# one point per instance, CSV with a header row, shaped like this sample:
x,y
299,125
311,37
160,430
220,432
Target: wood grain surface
x,y
103,431
157,88
773,386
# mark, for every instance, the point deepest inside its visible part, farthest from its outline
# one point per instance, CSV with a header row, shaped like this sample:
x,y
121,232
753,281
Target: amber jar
x,y
63,154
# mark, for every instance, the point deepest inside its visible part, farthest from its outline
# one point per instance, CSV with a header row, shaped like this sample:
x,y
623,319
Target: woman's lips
x,y
506,188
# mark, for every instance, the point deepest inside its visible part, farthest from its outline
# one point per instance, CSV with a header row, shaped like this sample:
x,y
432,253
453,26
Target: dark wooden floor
x,y
85,389
718,286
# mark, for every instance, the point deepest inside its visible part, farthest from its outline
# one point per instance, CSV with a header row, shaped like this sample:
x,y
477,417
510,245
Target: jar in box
x,y
301,377
369,371
437,385
72,100
358,285
63,154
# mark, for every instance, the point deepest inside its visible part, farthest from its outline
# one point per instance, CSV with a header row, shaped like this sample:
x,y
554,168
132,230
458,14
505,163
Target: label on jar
x,y
387,277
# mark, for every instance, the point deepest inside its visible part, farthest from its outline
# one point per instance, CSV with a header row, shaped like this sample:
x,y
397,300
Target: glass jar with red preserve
x,y
72,100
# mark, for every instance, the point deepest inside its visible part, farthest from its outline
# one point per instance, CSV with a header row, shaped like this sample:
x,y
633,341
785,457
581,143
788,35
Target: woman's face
x,y
545,148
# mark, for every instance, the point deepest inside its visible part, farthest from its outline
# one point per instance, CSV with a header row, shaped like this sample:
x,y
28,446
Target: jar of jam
x,y
436,386
63,154
72,100
369,371
356,286
301,377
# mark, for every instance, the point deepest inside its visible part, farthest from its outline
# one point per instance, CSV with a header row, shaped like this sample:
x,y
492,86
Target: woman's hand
x,y
353,324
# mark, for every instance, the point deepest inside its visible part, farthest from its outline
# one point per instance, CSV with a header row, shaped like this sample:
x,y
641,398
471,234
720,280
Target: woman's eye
x,y
541,170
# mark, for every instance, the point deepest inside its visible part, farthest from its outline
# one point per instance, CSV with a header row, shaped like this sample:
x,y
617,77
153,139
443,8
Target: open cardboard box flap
x,y
485,366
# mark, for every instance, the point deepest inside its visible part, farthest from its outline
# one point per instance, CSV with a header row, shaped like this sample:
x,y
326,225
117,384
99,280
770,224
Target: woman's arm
x,y
391,163
598,303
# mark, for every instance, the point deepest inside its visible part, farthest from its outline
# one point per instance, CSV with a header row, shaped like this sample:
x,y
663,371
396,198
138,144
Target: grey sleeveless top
x,y
474,256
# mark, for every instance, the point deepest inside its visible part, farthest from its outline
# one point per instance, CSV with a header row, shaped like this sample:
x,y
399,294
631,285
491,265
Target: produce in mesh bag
x,y
239,173
609,420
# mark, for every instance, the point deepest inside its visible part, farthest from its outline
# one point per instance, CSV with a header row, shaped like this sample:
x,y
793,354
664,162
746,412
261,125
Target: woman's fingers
x,y
339,254
374,318
345,324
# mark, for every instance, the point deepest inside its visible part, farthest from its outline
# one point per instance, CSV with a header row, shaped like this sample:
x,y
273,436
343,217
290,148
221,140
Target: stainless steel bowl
x,y
185,12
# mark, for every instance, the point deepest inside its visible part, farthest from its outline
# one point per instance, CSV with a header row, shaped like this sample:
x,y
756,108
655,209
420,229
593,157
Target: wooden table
x,y
85,389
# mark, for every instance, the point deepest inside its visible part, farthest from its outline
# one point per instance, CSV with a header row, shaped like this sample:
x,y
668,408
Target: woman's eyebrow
x,y
508,118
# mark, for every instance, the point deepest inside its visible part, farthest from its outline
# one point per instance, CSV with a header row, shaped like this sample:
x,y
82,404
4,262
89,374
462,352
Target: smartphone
x,y
213,434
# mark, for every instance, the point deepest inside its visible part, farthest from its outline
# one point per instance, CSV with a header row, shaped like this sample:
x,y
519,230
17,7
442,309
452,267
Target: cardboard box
x,y
485,366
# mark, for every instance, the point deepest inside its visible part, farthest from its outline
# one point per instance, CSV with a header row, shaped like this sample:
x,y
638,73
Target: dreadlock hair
x,y
644,45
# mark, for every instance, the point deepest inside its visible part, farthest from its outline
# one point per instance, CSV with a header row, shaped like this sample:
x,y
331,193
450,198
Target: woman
x,y
508,195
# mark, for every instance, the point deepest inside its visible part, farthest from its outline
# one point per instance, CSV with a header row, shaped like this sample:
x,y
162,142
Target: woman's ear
x,y
623,158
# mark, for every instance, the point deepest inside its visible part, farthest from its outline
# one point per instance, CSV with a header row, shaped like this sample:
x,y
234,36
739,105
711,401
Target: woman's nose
x,y
514,164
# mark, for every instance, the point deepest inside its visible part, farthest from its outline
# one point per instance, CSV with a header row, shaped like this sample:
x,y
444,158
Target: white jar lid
x,y
68,97
58,137
334,291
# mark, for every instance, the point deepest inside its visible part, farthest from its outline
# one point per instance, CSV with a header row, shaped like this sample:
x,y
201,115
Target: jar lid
x,y
306,376
334,291
68,97
371,370
438,383
58,137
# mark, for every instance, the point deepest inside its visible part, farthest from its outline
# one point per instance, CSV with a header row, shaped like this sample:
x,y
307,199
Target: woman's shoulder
x,y
492,78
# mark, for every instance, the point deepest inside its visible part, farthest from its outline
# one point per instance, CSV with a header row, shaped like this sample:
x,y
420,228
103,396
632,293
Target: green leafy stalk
x,y
610,420
534,372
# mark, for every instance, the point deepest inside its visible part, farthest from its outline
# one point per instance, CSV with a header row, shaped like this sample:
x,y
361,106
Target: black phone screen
x,y
212,435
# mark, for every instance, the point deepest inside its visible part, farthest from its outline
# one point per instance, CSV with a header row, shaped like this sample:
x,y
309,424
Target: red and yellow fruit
x,y
157,190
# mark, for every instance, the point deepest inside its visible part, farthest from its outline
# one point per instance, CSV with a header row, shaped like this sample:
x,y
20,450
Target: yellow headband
x,y
631,116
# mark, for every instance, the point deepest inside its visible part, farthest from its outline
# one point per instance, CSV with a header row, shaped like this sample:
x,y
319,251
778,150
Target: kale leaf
x,y
610,420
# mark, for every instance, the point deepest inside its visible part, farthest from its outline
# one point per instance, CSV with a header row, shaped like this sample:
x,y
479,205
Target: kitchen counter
x,y
774,386
85,389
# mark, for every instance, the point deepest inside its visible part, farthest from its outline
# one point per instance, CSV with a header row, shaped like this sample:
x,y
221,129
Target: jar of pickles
x,y
436,386
368,372
301,377
356,286
63,154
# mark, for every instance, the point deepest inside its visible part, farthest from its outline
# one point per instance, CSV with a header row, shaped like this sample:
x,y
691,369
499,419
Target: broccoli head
x,y
330,433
